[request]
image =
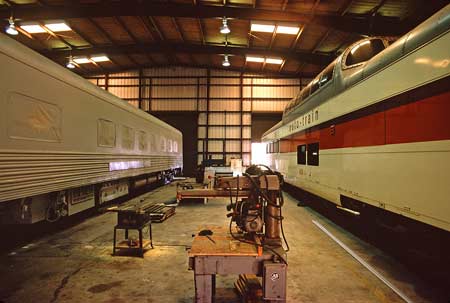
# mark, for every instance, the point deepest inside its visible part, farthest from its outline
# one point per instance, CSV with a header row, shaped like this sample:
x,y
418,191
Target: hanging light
x,y
225,61
70,63
11,28
224,29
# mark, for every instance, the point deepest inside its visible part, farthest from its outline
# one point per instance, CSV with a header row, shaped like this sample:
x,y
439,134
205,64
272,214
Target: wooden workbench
x,y
221,254
223,245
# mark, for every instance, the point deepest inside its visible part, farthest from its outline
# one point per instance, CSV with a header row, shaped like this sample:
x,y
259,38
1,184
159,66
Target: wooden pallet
x,y
160,212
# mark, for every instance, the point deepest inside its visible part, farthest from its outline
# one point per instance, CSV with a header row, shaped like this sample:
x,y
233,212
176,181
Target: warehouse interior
x,y
223,73
170,59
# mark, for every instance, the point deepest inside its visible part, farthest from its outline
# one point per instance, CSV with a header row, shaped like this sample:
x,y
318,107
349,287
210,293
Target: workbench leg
x,y
141,247
150,232
204,288
114,244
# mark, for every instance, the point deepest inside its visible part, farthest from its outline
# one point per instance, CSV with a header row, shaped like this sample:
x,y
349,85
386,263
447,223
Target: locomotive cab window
x,y
313,154
364,51
301,154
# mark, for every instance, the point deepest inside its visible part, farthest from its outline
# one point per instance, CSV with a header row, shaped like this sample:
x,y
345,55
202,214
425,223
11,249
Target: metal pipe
x,y
351,211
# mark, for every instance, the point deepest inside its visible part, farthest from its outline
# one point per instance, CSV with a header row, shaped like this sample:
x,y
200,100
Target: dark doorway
x,y
186,122
261,122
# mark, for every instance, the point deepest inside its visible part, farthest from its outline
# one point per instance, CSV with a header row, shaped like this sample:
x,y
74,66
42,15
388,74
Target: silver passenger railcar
x,y
67,145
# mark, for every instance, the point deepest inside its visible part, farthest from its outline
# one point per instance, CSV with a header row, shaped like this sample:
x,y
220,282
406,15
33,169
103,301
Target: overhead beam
x,y
381,25
123,69
171,48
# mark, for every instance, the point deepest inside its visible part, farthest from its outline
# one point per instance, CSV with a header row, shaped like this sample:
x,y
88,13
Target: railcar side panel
x,y
384,141
60,133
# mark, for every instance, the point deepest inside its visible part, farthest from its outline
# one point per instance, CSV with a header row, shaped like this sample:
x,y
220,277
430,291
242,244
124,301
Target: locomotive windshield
x,y
364,51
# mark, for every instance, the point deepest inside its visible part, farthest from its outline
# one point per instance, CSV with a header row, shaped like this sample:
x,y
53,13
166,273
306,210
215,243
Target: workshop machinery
x,y
253,241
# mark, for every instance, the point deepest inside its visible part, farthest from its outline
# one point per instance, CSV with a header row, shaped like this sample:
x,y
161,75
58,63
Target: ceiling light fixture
x,y
290,30
32,28
261,27
81,60
70,64
224,29
254,59
274,61
11,28
225,61
58,26
100,58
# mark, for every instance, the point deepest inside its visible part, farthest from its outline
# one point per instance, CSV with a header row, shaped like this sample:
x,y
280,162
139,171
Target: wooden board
x,y
223,245
210,193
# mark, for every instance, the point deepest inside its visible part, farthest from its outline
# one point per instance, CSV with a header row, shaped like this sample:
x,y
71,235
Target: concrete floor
x,y
75,265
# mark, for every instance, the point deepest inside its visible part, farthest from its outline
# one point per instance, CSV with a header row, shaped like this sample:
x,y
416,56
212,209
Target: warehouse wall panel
x,y
247,145
233,132
125,92
247,132
215,146
223,101
224,105
174,92
219,73
226,81
261,105
202,105
216,132
174,71
246,119
233,146
173,105
225,92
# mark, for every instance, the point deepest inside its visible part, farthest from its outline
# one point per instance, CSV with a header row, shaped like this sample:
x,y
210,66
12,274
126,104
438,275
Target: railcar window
x,y
327,75
364,51
313,154
142,140
301,154
106,133
163,144
31,119
314,86
305,93
127,137
152,142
